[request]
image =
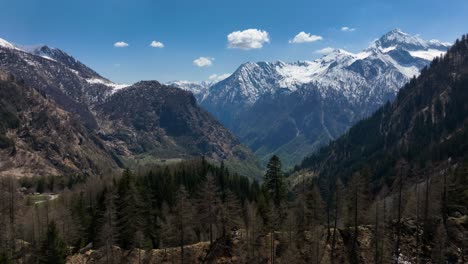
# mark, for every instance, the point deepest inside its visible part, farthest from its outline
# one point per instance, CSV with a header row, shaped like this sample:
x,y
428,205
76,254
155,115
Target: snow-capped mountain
x,y
362,81
395,57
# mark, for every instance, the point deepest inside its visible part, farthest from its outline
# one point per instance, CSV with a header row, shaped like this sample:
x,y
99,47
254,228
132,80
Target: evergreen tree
x,y
52,249
274,181
128,214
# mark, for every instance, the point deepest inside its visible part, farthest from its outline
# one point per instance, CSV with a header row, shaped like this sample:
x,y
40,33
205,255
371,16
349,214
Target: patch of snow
x,y
296,74
32,63
385,50
407,71
47,57
75,72
114,86
362,55
426,54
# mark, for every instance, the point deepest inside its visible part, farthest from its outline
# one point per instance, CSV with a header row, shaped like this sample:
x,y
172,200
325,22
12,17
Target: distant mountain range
x,y
122,124
292,109
288,109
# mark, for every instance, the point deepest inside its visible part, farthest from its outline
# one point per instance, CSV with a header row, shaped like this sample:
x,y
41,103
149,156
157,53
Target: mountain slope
x,y
151,119
147,120
325,97
65,80
174,118
39,138
425,126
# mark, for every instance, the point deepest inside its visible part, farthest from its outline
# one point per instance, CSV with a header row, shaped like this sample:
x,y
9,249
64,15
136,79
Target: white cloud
x,y
303,37
325,50
121,44
218,78
347,29
203,62
156,44
247,39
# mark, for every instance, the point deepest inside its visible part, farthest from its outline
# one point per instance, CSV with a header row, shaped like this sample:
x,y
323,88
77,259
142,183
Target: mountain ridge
x,y
81,91
350,86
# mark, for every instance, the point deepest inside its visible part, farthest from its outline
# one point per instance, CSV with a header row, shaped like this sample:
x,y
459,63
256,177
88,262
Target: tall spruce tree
x,y
274,181
128,219
52,249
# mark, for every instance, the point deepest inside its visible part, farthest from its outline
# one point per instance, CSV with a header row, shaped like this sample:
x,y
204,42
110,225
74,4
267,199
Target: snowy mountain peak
x,y
375,74
397,39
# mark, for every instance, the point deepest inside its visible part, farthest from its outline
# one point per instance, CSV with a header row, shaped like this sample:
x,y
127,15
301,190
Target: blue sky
x,y
192,29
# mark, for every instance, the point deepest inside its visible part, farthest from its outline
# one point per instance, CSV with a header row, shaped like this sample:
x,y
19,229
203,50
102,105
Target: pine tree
x,y
52,249
128,213
274,181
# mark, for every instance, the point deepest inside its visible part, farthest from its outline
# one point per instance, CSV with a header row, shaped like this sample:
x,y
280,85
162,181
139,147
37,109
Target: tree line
x,y
170,207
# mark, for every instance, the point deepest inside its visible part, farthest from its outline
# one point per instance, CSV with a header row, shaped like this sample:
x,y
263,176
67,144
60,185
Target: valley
x,y
354,157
